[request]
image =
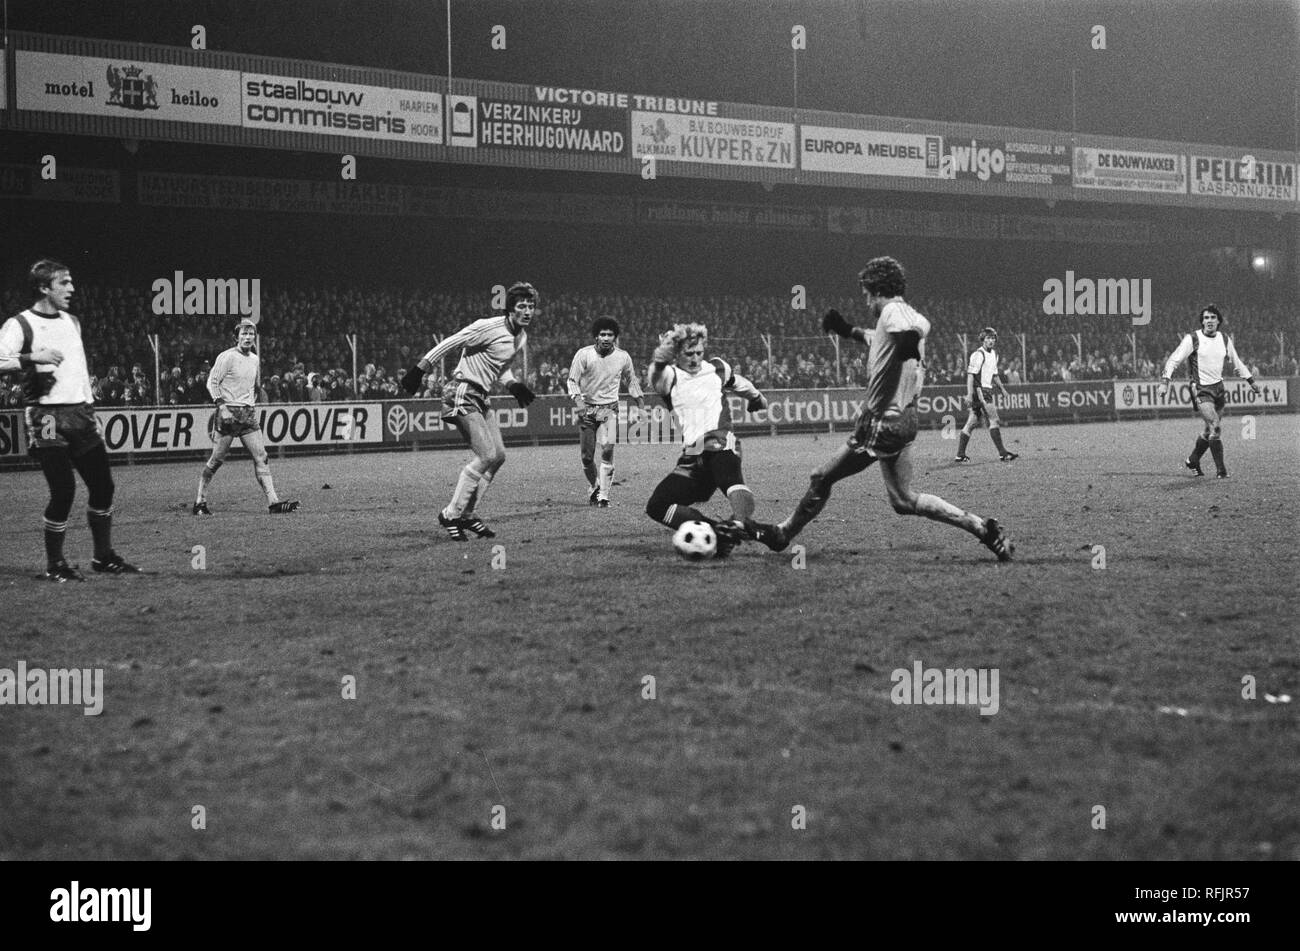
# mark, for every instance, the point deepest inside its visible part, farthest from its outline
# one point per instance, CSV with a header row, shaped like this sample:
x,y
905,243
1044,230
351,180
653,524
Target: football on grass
x,y
695,541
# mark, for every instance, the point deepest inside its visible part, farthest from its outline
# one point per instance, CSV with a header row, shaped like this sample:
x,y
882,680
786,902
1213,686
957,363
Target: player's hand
x,y
666,351
47,355
834,323
413,380
1164,388
522,394
1254,388
224,411
756,403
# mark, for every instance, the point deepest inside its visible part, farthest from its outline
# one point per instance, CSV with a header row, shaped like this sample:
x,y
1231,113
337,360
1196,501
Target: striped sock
x,y
54,534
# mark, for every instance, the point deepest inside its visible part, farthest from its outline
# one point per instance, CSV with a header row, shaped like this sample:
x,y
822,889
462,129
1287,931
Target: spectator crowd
x,y
307,354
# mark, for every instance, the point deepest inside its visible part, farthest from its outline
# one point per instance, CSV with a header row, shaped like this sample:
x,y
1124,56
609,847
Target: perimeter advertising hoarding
x,y
1243,177
870,152
1145,395
189,428
1125,170
712,140
54,82
478,122
322,107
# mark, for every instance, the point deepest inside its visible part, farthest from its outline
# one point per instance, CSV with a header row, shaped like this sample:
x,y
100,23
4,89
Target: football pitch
x,y
503,706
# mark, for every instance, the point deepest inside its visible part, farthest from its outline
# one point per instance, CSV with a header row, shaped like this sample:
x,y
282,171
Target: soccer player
x,y
486,348
696,389
1205,350
888,422
233,383
981,374
595,377
44,342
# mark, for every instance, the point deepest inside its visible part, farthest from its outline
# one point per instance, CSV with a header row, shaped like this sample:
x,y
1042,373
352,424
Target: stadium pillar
x,y
352,342
157,370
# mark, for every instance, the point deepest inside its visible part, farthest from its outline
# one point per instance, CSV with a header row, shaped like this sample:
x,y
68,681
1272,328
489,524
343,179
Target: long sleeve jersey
x,y
598,379
487,347
233,377
1205,356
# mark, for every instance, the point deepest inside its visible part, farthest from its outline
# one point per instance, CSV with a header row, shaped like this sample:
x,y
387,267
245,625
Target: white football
x,y
695,541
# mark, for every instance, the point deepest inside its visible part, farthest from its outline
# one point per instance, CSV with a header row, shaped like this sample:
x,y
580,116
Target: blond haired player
x,y
696,389
486,348
233,384
595,377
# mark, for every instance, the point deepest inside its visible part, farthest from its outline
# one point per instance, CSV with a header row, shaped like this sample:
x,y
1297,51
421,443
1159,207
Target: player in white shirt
x,y
595,377
233,384
486,348
981,374
1205,351
44,342
696,390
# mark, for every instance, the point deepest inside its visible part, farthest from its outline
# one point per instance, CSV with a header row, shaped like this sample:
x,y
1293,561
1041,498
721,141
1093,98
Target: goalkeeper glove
x,y
521,393
756,403
833,323
666,352
411,382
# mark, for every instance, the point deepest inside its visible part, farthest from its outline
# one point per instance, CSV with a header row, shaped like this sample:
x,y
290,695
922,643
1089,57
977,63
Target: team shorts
x,y
1214,393
603,420
461,398
982,406
883,437
242,421
710,471
69,426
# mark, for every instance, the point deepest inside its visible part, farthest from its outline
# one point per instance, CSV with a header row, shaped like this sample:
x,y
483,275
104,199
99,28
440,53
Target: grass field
x,y
522,686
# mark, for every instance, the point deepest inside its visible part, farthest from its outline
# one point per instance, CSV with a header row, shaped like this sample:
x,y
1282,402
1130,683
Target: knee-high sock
x,y
263,473
480,490
606,478
54,534
742,502
933,507
962,442
466,483
678,514
996,433
101,530
1216,450
1202,444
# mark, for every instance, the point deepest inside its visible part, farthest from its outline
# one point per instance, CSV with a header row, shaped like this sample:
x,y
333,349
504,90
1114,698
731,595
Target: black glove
x,y
413,380
521,393
756,403
833,323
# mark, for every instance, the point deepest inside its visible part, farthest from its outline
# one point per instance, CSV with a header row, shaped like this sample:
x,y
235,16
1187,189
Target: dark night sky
x,y
1219,71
